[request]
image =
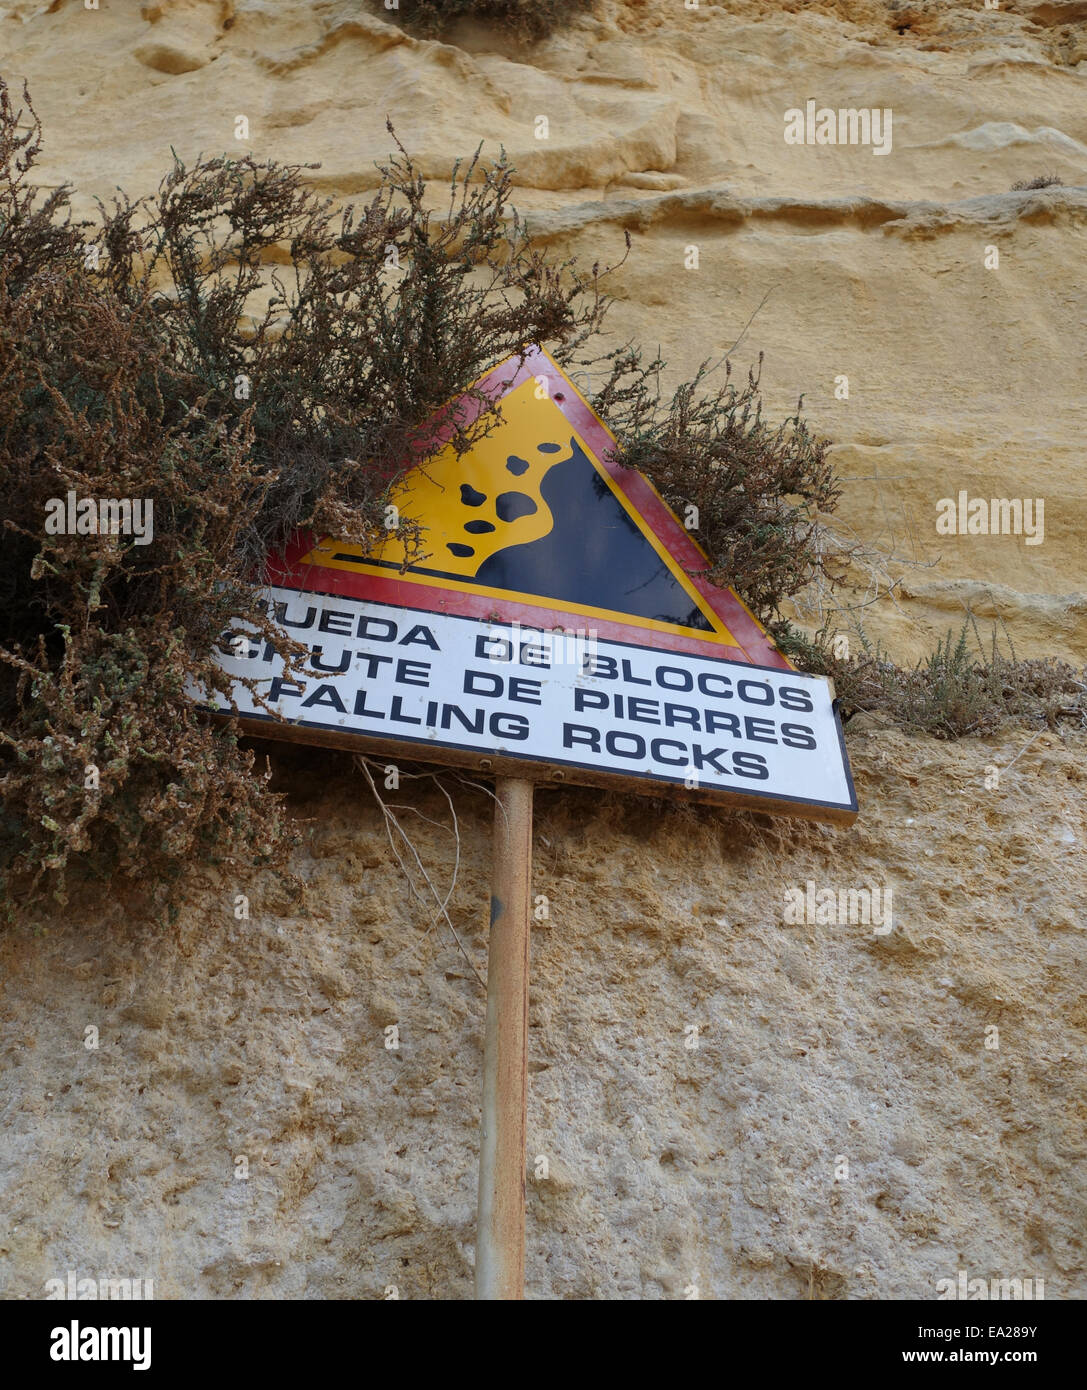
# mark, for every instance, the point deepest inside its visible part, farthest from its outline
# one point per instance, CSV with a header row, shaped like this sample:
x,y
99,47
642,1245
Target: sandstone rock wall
x,y
667,1165
670,122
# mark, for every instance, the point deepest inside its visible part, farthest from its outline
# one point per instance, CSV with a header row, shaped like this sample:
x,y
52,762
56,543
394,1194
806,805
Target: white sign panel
x,y
593,706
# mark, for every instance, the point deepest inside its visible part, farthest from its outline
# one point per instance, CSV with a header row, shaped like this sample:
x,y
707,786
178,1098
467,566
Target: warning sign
x,y
533,703
557,627
538,524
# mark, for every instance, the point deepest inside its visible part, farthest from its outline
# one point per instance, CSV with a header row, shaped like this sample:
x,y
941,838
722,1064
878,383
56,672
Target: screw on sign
x,y
556,628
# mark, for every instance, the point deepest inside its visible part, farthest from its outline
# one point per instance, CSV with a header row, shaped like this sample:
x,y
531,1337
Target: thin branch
x,y
391,822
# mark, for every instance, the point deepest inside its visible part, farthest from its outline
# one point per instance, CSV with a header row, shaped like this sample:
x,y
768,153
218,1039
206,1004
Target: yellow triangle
x,y
485,516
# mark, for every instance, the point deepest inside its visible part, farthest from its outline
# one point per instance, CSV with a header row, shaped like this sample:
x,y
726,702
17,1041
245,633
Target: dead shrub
x,y
235,356
527,20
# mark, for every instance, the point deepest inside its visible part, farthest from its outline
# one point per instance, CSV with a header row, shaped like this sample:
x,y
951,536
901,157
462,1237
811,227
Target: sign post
x,y
500,1219
559,628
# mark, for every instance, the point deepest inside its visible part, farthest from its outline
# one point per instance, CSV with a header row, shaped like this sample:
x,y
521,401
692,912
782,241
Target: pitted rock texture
x,y
700,1069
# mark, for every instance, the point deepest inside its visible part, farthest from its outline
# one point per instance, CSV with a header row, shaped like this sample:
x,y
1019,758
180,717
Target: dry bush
x,y
758,488
98,634
524,19
149,378
379,319
233,353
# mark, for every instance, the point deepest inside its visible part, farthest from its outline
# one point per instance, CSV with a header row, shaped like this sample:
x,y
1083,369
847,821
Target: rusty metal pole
x,y
500,1217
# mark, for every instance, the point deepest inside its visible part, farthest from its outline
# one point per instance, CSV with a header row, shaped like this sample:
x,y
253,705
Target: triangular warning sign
x,y
537,524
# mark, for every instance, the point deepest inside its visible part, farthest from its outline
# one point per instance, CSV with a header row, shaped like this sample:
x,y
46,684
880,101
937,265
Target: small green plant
x,y
960,688
1041,181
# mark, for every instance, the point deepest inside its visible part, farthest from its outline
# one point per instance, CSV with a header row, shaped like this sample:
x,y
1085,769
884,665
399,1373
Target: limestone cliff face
x,y
818,1045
